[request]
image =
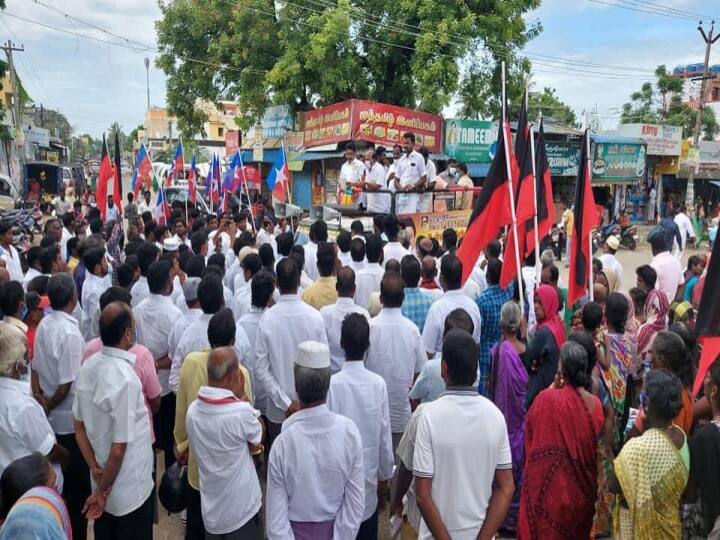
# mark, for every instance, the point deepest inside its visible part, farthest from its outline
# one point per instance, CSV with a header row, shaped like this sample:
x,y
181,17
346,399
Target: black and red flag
x,y
117,188
707,325
104,175
492,209
543,186
585,221
524,196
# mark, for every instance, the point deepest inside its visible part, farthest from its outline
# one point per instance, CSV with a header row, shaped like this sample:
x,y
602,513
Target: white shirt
x,y
610,261
406,453
410,169
378,202
109,401
367,281
425,199
438,312
352,172
669,274
315,473
145,207
333,316
139,291
361,395
242,301
396,354
264,237
311,260
12,263
181,241
686,229
180,327
283,327
31,274
155,318
250,323
393,250
219,428
66,235
92,289
59,347
461,440
24,429
345,258
231,273
195,339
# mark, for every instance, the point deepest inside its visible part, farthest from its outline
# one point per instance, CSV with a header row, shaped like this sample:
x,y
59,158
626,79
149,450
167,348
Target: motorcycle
x,y
25,223
628,235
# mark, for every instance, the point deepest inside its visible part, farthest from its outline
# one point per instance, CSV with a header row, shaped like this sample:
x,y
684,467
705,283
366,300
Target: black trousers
x,y
252,530
137,525
369,528
164,424
76,488
194,524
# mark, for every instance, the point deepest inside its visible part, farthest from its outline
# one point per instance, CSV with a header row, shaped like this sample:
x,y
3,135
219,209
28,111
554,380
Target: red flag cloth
x,y
707,325
545,204
104,176
585,222
492,208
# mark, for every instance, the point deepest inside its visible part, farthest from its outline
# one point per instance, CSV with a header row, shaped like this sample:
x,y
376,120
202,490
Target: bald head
x,y
429,267
221,367
345,284
424,247
116,326
600,293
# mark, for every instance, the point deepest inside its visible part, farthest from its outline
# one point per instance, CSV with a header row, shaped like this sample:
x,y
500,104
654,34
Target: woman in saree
x,y
656,308
559,489
508,389
651,471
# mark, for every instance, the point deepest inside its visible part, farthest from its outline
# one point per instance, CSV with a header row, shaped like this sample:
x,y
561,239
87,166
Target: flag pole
x,y
591,293
512,195
247,191
536,234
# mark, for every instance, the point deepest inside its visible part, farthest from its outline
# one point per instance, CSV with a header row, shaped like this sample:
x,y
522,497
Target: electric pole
x,y
709,40
9,47
147,80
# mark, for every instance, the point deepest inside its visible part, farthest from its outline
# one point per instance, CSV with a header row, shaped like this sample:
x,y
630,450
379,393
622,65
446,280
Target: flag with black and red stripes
x,y
544,205
104,175
707,325
492,208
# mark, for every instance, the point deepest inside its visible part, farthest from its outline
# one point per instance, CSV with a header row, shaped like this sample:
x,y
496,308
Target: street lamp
x,y
147,79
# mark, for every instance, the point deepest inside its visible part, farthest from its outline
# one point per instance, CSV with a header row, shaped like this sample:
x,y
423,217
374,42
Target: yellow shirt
x,y
72,264
321,293
193,375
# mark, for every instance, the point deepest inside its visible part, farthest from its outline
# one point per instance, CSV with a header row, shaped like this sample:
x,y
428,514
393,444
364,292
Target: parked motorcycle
x,y
628,235
25,223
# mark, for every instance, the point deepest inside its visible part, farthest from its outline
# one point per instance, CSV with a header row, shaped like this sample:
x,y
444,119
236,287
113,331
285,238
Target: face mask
x,y
368,164
452,171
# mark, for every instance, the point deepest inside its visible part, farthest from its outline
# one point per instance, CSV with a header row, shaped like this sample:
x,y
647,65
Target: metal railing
x,y
446,202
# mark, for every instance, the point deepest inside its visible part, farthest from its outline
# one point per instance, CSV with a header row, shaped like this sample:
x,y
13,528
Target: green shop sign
x,y
618,161
563,158
470,141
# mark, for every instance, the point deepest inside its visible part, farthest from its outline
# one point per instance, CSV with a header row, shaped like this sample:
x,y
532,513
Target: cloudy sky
x,y
580,52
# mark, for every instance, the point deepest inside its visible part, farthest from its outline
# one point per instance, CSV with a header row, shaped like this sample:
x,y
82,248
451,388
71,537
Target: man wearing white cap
x,y
315,486
192,314
610,247
284,326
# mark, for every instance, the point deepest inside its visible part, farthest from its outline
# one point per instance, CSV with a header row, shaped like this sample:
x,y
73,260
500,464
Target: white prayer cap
x,y
170,244
244,252
190,288
313,354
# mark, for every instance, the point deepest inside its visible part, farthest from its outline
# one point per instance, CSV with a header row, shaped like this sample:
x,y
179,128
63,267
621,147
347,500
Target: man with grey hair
x,y
303,500
59,347
222,429
24,429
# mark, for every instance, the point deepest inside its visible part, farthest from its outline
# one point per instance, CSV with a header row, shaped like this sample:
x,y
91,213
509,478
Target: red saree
x,y
559,486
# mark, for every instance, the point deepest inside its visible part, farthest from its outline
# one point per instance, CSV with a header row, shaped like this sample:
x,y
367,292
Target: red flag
x,y
104,176
545,205
585,221
707,325
492,209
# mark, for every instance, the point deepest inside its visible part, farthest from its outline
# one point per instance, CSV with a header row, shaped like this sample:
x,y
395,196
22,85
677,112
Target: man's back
x,y
368,281
435,322
669,274
333,316
461,440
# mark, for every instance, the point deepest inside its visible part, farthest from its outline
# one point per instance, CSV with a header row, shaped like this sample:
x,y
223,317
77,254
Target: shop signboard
x,y
36,135
232,141
276,121
661,140
563,158
257,145
709,155
470,141
619,162
294,146
327,125
385,125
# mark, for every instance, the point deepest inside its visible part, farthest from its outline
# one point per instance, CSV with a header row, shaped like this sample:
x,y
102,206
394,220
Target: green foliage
x,y
190,147
84,147
551,107
131,139
58,124
412,53
662,103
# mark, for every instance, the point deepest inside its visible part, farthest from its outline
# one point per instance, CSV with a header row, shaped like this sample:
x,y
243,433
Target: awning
x,y
478,170
715,183
268,156
314,156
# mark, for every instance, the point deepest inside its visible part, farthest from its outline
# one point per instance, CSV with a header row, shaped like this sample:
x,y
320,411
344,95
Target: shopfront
x,y
472,142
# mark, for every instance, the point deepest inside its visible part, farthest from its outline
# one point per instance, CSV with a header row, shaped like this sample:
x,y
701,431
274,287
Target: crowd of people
x,y
341,375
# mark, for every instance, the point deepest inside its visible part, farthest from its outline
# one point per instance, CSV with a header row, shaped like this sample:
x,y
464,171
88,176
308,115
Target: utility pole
x,y
9,47
709,40
147,80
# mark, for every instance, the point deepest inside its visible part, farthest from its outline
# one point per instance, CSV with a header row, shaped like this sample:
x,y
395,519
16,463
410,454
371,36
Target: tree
x,y
551,107
132,138
58,124
662,103
309,54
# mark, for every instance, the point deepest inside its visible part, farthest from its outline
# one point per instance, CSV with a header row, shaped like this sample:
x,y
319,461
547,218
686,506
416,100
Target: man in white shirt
x,y
193,313
410,176
9,254
396,351
343,253
425,199
375,180
61,203
686,228
68,220
181,232
112,212
352,174
361,395
453,298
222,428
334,314
283,327
393,249
145,205
357,254
59,346
670,278
154,320
608,258
97,281
147,254
112,428
303,500
318,233
462,446
368,278
251,265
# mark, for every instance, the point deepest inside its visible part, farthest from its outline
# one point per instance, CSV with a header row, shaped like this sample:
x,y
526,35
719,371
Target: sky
x,y
580,51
